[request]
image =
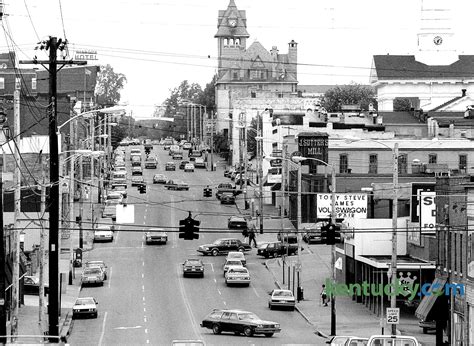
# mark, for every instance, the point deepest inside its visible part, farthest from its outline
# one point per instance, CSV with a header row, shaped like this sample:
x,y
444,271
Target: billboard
x,y
348,205
313,145
427,212
416,189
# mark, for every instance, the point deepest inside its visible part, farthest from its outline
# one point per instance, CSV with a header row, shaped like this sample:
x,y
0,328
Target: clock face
x,y
232,23
438,40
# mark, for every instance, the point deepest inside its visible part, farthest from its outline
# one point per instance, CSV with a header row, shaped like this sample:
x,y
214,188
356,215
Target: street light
x,y
299,159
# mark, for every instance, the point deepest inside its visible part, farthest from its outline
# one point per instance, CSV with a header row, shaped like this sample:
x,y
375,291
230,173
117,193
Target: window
x,y
33,83
343,163
373,164
402,164
2,83
235,75
253,94
462,162
433,158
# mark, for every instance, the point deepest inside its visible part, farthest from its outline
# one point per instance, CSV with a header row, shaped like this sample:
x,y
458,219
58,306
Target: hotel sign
x,y
85,55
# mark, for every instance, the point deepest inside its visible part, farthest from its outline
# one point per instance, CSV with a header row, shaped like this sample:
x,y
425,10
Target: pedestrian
x,y
252,237
324,296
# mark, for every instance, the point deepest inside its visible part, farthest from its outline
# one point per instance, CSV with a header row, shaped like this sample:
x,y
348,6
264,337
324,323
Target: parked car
x,y
137,180
170,166
98,263
189,167
241,180
160,178
109,211
231,263
237,255
223,246
237,222
237,275
31,285
193,266
114,197
103,233
176,185
276,249
427,325
404,340
92,276
227,198
183,164
85,306
239,321
156,235
122,189
290,238
281,298
199,163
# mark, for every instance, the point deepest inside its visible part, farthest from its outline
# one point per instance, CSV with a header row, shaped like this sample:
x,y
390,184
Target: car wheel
x,y
216,329
248,331
241,249
215,252
268,335
275,255
425,330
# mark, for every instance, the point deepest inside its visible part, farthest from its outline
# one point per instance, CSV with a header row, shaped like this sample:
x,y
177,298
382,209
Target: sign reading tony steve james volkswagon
x,y
347,205
313,145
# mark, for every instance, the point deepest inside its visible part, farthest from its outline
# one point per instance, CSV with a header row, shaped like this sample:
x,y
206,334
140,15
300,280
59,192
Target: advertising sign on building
x,y
348,205
313,145
416,189
427,212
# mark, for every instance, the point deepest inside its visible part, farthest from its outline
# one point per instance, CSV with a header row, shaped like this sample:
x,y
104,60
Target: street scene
x,y
157,190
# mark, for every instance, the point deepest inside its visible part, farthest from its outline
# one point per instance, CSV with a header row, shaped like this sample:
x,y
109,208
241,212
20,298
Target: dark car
x,y
176,185
159,179
137,171
223,246
227,198
290,238
277,248
31,285
170,166
237,222
239,322
193,266
182,164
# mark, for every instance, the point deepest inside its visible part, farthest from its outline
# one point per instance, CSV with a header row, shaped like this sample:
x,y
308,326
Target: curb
x,y
277,283
68,324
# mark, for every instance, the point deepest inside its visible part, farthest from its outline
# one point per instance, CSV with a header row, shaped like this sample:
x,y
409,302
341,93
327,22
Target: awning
x,y
429,300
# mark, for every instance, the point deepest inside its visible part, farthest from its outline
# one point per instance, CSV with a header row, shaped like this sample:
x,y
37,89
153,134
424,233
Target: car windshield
x,y
248,317
193,262
114,196
233,263
85,301
238,270
218,242
92,271
282,294
95,263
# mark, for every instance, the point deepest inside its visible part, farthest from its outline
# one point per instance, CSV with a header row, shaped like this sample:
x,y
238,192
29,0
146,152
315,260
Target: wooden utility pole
x,y
53,44
41,314
3,316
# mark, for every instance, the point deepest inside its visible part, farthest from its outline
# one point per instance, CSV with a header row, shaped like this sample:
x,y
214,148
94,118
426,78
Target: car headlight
x,y
259,325
277,325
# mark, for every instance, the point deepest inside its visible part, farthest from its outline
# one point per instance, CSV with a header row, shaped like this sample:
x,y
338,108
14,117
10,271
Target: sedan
x,y
227,198
97,263
137,180
103,233
91,276
137,171
176,185
239,321
109,211
231,263
189,167
199,163
115,197
159,179
193,266
31,285
177,156
182,164
281,298
170,166
237,222
121,188
156,235
237,276
86,306
223,246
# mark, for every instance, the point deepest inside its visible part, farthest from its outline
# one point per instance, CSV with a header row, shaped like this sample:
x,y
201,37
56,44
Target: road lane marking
x,y
144,319
143,298
126,328
143,287
143,275
215,280
109,277
186,303
103,329
218,290
143,263
146,331
147,341
256,293
143,244
225,303
144,309
212,267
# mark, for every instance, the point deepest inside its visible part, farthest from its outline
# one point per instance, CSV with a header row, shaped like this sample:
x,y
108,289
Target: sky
x,y
158,44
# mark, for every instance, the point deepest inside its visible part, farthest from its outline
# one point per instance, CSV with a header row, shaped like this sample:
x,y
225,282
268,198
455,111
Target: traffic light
x,y
195,228
331,235
189,228
324,234
142,188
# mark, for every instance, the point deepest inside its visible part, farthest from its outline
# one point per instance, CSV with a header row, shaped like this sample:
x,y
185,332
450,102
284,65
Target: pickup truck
x,y
277,248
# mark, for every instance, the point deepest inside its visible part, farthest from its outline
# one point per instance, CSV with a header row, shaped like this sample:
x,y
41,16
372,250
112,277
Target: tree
x,y
109,85
402,105
349,94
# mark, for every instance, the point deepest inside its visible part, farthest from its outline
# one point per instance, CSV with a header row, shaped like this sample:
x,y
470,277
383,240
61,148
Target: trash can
x,y
299,294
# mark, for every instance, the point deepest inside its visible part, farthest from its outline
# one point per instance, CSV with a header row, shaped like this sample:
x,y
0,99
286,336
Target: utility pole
x,y
3,316
212,141
17,204
41,314
71,227
393,266
260,169
53,44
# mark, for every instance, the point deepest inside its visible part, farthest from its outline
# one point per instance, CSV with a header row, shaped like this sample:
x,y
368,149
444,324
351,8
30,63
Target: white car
x,y
115,197
103,233
85,306
281,298
189,167
187,146
199,162
156,235
236,255
237,275
230,263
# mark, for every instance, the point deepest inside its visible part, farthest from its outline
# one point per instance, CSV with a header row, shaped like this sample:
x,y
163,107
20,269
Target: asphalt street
x,y
146,300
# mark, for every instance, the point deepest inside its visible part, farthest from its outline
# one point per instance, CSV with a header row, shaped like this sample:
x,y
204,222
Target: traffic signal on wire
x,y
189,228
142,188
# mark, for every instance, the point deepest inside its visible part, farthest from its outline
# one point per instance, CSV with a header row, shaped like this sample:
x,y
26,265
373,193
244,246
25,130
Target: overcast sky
x,y
157,44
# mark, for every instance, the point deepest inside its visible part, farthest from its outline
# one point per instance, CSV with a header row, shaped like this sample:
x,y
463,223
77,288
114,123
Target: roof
x,y
406,67
390,118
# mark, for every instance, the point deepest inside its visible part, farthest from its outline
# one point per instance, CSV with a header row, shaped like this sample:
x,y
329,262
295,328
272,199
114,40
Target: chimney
x,y
463,92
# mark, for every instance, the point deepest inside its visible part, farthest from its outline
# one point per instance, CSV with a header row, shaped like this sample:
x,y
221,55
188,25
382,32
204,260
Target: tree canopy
x,y
348,95
109,85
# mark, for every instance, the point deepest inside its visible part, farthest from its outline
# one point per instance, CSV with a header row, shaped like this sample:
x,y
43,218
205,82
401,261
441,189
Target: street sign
x,y
393,315
298,267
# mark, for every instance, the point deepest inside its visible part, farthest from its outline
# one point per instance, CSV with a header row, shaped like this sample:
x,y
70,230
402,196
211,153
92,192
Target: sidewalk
x,y
352,318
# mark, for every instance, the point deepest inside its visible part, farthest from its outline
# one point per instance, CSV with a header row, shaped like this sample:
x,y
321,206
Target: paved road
x,y
147,301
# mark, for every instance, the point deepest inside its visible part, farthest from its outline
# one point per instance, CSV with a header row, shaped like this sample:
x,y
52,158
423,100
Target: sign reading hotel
x,y
85,55
348,205
313,145
427,212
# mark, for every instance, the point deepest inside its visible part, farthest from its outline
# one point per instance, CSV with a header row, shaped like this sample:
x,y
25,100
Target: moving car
x,y
156,235
224,187
114,197
356,341
109,211
237,255
151,162
103,233
137,180
159,179
223,246
178,155
193,266
239,321
137,171
281,298
427,325
227,198
85,306
237,222
170,166
183,164
187,146
199,163
92,276
276,249
189,167
231,263
176,185
237,276
98,263
136,160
